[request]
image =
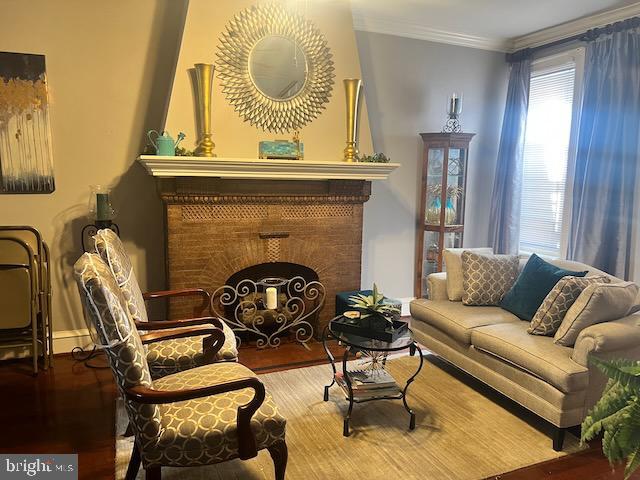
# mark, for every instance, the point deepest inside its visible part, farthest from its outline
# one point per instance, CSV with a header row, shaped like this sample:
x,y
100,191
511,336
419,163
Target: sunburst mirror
x,y
275,68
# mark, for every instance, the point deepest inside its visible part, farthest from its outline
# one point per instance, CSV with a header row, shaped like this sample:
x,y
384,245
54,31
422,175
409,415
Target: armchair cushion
x,y
204,430
172,356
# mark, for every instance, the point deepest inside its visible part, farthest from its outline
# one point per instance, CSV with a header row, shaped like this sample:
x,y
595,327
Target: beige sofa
x,y
489,343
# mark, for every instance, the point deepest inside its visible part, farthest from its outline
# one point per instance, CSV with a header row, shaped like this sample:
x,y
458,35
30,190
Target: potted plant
x,y
617,413
380,314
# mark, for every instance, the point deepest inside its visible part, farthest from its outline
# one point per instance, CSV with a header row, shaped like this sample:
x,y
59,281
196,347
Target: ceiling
x,y
498,20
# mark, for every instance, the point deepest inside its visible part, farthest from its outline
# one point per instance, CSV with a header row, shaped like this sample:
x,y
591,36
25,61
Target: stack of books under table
x,y
367,384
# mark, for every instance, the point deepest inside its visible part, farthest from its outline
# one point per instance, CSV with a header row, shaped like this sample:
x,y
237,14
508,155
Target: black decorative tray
x,y
370,328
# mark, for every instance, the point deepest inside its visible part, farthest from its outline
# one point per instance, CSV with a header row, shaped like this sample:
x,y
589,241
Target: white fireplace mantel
x,y
258,168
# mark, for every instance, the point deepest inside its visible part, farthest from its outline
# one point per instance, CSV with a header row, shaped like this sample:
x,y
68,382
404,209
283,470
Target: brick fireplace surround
x,y
216,227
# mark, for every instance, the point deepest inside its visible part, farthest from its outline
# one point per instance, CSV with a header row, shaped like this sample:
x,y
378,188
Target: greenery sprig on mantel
x,y
375,158
617,413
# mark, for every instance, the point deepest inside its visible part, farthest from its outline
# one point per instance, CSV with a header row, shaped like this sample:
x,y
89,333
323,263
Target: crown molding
x,y
574,27
366,22
369,23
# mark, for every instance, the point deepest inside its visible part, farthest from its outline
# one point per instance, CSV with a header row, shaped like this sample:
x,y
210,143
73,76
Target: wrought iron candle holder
x,y
101,212
454,110
88,231
244,308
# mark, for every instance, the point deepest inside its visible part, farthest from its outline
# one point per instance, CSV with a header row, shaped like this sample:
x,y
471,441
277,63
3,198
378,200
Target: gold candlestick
x,y
203,83
352,88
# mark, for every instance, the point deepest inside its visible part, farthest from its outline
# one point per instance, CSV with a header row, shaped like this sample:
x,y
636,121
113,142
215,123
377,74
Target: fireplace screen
x,y
269,301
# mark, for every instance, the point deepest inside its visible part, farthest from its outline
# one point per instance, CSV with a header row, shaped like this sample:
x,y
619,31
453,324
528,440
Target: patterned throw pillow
x,y
549,316
486,278
597,303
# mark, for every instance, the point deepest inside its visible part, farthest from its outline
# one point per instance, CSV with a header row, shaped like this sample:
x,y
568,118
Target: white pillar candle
x,y
272,298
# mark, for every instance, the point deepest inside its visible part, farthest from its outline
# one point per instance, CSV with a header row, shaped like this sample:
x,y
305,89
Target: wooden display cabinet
x,y
440,222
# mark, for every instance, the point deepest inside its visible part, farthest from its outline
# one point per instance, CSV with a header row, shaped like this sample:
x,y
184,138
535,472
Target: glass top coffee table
x,y
370,380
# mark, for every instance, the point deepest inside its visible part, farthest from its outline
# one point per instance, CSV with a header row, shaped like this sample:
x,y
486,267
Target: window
x,y
546,156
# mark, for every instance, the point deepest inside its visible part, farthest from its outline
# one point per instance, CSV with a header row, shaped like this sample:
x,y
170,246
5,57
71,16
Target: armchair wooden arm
x,y
188,322
247,447
185,292
210,345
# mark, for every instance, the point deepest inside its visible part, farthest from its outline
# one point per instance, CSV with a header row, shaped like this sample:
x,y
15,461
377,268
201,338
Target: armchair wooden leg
x,y
134,464
279,453
558,438
153,473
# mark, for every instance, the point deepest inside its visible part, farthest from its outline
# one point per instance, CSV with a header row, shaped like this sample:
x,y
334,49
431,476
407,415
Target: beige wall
x,y
110,70
109,66
324,138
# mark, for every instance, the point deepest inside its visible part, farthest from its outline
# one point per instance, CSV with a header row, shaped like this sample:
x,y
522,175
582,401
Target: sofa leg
x,y
558,438
278,452
153,473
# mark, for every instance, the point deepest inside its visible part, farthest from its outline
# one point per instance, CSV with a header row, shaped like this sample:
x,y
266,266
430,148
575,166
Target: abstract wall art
x,y
26,160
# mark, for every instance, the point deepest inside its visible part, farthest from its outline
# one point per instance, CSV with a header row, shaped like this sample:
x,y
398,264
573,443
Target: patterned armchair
x,y
202,416
168,356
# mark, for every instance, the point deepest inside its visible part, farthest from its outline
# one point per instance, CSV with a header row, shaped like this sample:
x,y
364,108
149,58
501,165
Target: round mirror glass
x,y
278,67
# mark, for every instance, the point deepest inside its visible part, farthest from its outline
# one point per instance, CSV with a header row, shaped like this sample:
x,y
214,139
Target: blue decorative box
x,y
281,149
343,304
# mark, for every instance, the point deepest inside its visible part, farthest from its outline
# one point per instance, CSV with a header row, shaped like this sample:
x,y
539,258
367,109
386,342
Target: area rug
x,y
460,433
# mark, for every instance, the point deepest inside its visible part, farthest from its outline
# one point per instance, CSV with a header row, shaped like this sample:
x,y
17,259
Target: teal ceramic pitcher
x,y
163,143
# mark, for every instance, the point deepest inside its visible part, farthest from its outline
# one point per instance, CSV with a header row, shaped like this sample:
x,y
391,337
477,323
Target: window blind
x,y
546,152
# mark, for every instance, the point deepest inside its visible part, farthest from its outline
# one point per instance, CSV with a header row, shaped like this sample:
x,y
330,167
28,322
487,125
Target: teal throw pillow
x,y
532,286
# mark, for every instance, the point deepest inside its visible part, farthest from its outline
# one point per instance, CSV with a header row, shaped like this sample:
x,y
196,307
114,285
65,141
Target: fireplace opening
x,y
266,302
273,270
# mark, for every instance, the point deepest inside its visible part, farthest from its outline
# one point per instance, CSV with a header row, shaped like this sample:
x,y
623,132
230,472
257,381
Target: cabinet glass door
x,y
435,163
429,257
455,186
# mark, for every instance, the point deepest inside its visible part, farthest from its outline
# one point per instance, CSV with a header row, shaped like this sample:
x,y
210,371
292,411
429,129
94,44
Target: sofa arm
x,y
620,336
437,285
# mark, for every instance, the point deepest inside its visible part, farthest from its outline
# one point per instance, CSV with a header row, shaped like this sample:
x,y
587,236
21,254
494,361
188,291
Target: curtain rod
x,y
588,36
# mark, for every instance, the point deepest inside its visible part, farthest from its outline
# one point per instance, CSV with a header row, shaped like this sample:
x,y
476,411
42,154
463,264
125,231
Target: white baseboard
x,y
63,342
66,340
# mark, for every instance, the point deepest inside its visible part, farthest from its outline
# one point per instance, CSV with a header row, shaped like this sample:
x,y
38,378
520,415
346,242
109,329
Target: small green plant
x,y
374,305
617,413
375,158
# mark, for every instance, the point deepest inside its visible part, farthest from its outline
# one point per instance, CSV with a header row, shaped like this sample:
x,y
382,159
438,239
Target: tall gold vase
x,y
352,88
203,84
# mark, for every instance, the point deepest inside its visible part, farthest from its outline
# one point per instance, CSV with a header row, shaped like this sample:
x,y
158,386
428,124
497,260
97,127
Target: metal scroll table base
x,y
402,394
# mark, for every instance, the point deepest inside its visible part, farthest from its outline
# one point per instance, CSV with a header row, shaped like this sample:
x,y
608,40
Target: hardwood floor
x,y
71,409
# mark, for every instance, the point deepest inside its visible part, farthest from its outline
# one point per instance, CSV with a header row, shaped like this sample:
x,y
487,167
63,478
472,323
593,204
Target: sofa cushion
x,y
453,265
597,303
486,278
458,320
556,304
532,286
534,354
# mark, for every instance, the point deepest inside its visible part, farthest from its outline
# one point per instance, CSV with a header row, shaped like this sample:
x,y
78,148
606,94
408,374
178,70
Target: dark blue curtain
x,y
607,151
504,221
